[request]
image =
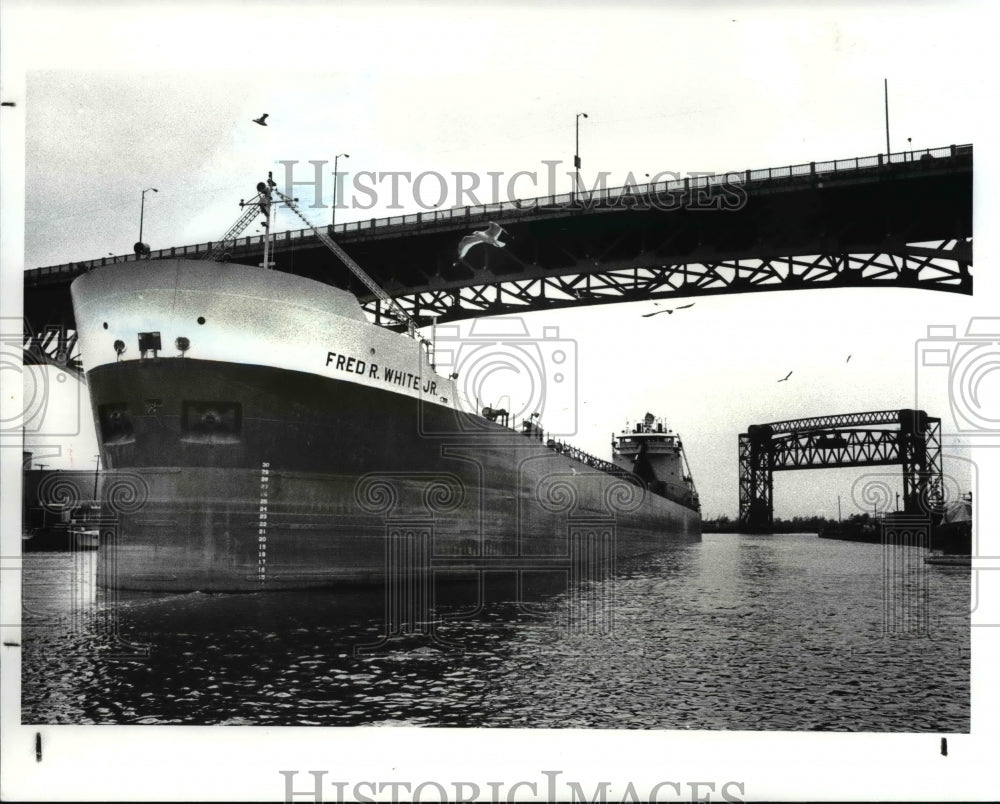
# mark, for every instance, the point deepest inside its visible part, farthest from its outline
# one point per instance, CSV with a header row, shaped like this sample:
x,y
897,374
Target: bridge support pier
x,y
920,456
757,479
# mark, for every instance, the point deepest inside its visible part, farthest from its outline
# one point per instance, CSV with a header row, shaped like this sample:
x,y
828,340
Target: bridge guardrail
x,y
592,197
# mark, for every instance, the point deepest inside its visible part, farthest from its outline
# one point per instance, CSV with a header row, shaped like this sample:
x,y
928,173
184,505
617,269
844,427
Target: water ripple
x,y
738,632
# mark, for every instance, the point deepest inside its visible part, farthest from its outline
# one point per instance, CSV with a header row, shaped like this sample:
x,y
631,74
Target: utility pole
x,y
336,179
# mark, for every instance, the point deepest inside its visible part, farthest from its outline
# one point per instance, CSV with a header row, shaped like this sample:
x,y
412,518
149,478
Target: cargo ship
x,y
257,431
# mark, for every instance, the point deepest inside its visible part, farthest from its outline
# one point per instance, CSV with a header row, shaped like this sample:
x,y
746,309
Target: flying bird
x,y
668,312
490,236
789,374
262,120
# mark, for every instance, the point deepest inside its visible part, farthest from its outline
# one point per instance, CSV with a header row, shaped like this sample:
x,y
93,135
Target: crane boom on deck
x,y
252,209
391,306
262,204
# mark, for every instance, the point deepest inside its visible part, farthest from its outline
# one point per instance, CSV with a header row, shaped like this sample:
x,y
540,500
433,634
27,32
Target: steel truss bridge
x,y
897,221
54,345
828,442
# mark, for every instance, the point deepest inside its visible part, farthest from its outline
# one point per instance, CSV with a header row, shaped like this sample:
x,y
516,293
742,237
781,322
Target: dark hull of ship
x,y
230,477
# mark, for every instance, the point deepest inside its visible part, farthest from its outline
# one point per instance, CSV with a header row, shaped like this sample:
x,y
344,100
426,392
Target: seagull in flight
x,y
262,120
789,374
668,312
490,236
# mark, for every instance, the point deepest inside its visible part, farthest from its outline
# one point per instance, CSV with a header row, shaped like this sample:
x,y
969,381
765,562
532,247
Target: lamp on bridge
x,y
576,155
140,247
333,215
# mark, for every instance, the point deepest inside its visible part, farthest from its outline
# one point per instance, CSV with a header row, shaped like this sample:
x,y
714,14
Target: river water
x,y
787,632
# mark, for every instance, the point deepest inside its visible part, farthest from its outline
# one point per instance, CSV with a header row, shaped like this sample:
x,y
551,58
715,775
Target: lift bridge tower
x,y
909,438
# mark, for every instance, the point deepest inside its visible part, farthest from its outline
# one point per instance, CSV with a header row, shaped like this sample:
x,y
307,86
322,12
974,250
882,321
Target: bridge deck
x,y
569,246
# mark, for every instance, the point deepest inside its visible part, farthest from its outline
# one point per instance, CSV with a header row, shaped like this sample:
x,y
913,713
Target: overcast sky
x,y
116,97
454,89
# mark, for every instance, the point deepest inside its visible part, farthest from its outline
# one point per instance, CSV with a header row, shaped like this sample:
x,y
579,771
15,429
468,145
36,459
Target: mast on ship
x,y
262,204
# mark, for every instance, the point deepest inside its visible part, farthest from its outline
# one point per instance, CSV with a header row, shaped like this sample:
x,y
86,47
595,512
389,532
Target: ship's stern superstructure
x,y
654,453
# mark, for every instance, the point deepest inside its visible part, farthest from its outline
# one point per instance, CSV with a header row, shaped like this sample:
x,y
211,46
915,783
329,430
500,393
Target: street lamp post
x,y
142,209
333,215
888,148
576,155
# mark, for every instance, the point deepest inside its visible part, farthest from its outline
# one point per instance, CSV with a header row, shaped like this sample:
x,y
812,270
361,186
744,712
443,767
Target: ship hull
x,y
317,536
230,475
